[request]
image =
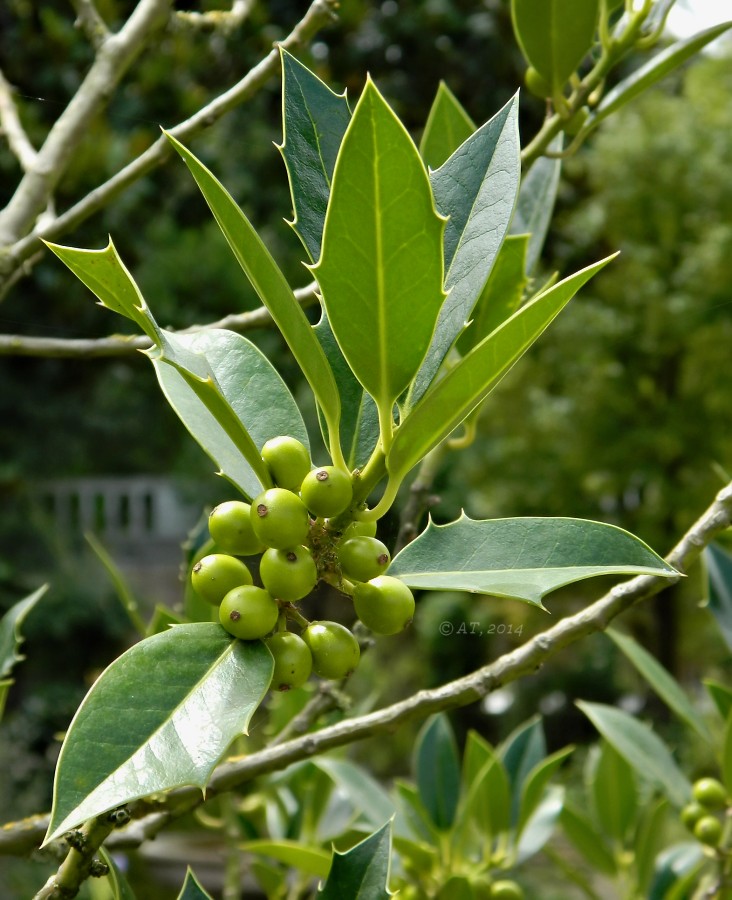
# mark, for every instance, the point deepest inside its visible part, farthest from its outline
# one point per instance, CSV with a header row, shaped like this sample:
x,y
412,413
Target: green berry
x,y
363,558
213,576
293,660
506,890
230,525
359,529
708,830
287,460
335,650
248,612
384,604
326,491
537,84
280,519
709,793
691,814
288,574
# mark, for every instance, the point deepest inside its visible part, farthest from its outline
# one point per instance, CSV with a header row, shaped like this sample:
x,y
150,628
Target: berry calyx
x,y
213,576
293,660
506,890
279,518
326,491
709,793
335,650
708,830
288,574
363,558
230,525
384,604
288,461
248,612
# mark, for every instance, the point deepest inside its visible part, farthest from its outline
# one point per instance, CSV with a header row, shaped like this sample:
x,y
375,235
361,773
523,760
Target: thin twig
x,y
318,14
124,345
215,19
12,127
113,59
20,838
90,20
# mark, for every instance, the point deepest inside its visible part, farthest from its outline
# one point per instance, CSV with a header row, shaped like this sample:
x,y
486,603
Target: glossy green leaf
x,y
521,752
192,889
380,270
160,716
721,696
586,839
649,840
447,127
218,427
536,782
502,294
726,763
654,70
485,797
294,854
476,188
360,788
676,866
269,283
412,817
535,204
523,558
359,427
667,688
361,873
437,770
719,573
314,122
541,824
640,747
614,793
11,636
115,880
452,398
555,35
250,386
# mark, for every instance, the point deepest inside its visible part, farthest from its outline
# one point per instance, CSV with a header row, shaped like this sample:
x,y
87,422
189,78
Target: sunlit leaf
x,y
640,747
361,873
541,824
523,558
452,398
314,122
447,127
295,854
160,716
664,684
676,866
380,270
536,782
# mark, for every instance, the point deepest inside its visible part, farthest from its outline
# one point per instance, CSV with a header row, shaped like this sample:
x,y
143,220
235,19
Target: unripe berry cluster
x,y
302,529
704,815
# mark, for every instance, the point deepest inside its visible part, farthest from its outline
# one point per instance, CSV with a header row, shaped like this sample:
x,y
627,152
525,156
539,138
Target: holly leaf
x,y
555,35
448,126
314,122
522,558
192,889
11,636
476,188
159,717
361,873
380,270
